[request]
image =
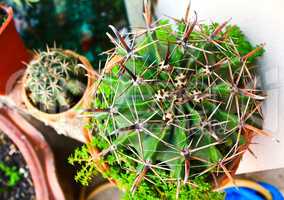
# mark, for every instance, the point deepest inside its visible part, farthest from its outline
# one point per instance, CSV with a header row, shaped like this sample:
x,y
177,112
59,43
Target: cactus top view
x,y
178,107
55,81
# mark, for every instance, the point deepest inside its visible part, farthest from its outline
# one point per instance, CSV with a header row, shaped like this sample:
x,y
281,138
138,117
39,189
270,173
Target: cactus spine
x,y
176,106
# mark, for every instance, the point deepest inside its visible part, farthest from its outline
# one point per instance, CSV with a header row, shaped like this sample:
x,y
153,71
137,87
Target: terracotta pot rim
x,y
29,154
91,74
36,153
44,153
234,164
9,12
96,190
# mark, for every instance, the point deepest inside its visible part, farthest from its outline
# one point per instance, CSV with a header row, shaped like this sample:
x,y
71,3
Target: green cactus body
x,y
55,81
175,107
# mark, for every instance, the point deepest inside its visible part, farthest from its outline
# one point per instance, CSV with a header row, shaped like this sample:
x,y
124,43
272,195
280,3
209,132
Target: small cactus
x,y
55,81
175,106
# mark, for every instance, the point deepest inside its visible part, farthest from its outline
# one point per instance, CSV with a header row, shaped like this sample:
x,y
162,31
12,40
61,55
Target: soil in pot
x,y
15,178
3,17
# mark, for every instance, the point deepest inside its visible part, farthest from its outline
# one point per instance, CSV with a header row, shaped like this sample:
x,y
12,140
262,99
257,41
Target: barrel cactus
x,y
55,81
178,103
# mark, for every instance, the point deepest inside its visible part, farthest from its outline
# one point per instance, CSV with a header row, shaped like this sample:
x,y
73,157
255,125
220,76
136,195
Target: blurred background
x,y
79,25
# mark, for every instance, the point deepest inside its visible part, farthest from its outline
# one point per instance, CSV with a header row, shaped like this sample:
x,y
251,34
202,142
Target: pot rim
x,y
9,12
36,153
95,191
28,152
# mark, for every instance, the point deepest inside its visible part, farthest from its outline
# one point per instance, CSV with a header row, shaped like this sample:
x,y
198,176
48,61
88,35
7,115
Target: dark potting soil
x,y
15,178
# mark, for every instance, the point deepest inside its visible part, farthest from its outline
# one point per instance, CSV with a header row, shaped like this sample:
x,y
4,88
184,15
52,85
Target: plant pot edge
x,y
95,191
13,49
36,153
8,20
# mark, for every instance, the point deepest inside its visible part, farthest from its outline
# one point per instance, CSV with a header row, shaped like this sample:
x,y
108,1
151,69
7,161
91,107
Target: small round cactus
x,y
177,105
55,81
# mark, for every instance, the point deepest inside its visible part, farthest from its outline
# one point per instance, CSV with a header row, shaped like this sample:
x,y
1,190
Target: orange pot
x,y
36,153
13,53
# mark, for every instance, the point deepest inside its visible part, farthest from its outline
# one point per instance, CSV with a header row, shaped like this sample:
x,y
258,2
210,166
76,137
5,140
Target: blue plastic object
x,y
243,193
276,194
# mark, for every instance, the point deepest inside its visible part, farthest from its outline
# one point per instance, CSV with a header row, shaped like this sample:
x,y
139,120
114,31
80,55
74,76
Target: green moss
x,y
198,189
12,174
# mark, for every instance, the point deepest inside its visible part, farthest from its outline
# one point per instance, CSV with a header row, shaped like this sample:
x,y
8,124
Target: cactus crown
x,y
176,105
55,81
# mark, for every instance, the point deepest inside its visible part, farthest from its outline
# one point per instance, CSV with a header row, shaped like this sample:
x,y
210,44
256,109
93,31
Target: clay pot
x,y
234,164
13,53
36,153
67,122
106,191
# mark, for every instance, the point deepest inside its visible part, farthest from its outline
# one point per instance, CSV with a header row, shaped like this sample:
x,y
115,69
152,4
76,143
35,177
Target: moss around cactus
x,y
174,108
12,174
55,81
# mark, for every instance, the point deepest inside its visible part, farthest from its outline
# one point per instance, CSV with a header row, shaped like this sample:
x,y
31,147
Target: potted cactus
x,y
56,86
12,50
172,117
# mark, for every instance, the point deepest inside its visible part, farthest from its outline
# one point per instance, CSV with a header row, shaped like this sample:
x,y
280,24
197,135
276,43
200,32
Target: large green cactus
x,y
55,81
176,105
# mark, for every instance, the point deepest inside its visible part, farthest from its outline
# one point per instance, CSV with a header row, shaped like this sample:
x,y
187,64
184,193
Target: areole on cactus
x,y
55,81
175,106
